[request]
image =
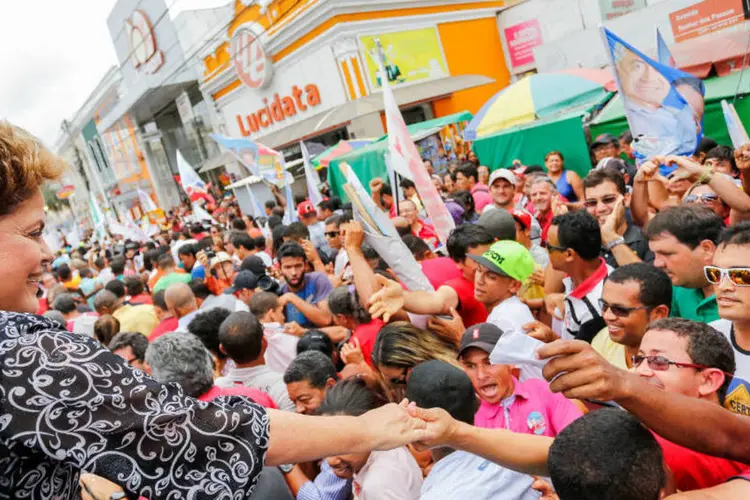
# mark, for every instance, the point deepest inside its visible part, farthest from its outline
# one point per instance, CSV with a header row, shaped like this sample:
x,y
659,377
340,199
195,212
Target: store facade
x,y
295,71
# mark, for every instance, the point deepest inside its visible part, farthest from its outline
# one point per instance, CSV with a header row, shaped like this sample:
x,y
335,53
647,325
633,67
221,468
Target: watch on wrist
x,y
614,243
286,468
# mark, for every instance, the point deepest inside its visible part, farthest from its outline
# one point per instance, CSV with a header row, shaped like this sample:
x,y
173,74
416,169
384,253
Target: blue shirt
x,y
327,486
315,287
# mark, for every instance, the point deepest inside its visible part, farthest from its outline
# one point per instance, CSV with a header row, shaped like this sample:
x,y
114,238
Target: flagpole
x,y
384,83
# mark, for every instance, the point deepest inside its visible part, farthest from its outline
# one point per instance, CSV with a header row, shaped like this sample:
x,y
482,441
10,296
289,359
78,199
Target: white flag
x,y
310,177
147,203
201,214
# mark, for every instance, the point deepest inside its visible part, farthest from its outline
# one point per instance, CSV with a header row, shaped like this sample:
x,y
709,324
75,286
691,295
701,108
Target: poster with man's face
x,y
664,106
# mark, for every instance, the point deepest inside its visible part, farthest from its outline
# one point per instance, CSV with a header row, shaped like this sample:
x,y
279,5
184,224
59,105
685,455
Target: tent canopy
x,y
369,162
612,119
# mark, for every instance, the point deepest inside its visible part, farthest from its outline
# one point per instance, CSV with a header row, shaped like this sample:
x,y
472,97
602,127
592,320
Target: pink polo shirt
x,y
532,409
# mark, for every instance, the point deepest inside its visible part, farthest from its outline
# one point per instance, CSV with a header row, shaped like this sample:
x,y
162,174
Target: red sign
x,y
705,17
251,63
279,109
142,42
521,39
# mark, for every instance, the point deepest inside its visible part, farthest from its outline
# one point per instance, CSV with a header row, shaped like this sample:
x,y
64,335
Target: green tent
x,y
369,162
531,142
612,118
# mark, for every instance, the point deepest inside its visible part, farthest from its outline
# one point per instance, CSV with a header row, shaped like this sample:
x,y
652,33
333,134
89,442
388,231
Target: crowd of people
x,y
584,337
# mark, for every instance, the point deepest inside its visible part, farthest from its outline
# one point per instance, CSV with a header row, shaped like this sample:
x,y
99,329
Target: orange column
x,y
466,58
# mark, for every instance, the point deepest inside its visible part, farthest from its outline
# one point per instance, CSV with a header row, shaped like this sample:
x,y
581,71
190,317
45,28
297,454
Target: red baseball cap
x,y
523,217
305,208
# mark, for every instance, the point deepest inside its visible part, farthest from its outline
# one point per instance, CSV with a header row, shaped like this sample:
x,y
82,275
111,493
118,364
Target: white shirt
x,y
582,302
225,301
463,476
267,261
511,314
741,356
282,347
388,475
261,378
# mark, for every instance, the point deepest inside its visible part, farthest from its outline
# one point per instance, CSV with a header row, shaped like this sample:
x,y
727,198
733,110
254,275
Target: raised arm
x,y
391,298
639,201
364,276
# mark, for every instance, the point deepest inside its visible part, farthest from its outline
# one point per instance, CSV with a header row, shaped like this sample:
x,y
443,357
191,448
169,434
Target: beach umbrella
x,y
342,148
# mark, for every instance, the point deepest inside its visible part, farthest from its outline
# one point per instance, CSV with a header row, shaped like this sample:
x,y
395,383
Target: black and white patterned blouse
x,y
69,405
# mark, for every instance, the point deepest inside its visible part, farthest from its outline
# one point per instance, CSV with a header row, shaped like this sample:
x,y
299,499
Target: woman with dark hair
x,y
343,302
75,404
378,474
466,200
568,183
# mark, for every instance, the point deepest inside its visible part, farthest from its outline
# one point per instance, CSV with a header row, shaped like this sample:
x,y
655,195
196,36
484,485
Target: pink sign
x,y
521,39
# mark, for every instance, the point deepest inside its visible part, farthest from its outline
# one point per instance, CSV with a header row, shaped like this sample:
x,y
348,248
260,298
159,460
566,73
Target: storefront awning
x,y
217,161
725,51
373,103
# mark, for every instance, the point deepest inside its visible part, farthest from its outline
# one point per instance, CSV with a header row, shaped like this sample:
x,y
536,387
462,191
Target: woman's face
x,y
23,255
553,163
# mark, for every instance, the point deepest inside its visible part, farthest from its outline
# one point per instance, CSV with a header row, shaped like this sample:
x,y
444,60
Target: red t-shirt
x,y
366,334
472,311
695,471
439,270
257,396
545,221
143,298
166,326
428,235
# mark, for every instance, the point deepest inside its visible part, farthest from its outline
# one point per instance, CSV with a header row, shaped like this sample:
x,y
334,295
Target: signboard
x,y
410,56
251,63
185,108
521,39
705,17
616,8
66,192
142,42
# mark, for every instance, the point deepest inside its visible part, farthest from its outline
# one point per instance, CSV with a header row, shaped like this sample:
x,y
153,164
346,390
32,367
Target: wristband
x,y
614,243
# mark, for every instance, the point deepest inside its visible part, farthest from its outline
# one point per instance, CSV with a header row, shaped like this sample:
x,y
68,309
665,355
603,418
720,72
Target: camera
x,y
268,284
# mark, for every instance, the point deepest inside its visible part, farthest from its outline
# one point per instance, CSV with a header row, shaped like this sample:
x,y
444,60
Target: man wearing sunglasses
x,y
730,276
632,297
606,198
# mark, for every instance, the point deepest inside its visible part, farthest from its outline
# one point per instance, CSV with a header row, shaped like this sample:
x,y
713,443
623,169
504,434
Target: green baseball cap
x,y
507,258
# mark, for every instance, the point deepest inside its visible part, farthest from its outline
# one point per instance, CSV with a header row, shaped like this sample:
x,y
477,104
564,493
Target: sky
x,y
54,54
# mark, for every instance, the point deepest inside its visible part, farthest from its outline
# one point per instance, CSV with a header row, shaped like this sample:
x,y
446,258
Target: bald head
x,y
106,302
402,225
180,299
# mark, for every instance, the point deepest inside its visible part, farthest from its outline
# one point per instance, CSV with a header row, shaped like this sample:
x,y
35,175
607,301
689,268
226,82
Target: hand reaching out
x,y
452,328
388,300
540,331
354,236
351,352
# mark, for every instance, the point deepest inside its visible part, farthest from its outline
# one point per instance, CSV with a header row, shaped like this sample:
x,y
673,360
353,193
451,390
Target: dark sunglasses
x,y
556,248
740,276
607,200
332,234
619,311
702,198
662,364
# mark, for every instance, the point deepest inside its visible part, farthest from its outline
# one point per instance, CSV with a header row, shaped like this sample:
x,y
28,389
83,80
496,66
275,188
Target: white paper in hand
x,y
518,349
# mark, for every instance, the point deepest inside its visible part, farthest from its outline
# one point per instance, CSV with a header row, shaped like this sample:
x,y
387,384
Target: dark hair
x,y
655,285
278,211
136,341
466,237
579,231
134,285
241,335
290,249
165,261
706,346
334,219
626,137
313,366
705,145
260,242
315,340
199,288
386,190
723,153
238,225
437,384
738,234
98,263
416,246
606,454
64,272
117,265
242,239
327,204
205,326
407,183
270,204
105,328
159,300
188,249
553,153
342,301
466,200
274,221
600,176
297,231
64,303
262,302
117,287
468,170
689,224
350,397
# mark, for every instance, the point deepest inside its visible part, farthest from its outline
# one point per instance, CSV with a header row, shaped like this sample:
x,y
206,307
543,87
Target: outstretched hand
x,y
395,425
440,426
388,300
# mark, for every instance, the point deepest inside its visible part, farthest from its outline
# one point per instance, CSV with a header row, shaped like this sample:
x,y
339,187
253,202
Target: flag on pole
x,y
260,160
405,156
291,210
147,203
200,214
737,131
98,218
255,207
193,185
310,177
663,54
664,106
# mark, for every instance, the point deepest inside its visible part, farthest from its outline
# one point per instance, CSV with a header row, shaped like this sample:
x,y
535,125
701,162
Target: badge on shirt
x,y
536,423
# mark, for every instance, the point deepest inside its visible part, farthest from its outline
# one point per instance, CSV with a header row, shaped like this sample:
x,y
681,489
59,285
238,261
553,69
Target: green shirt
x,y
170,279
690,303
